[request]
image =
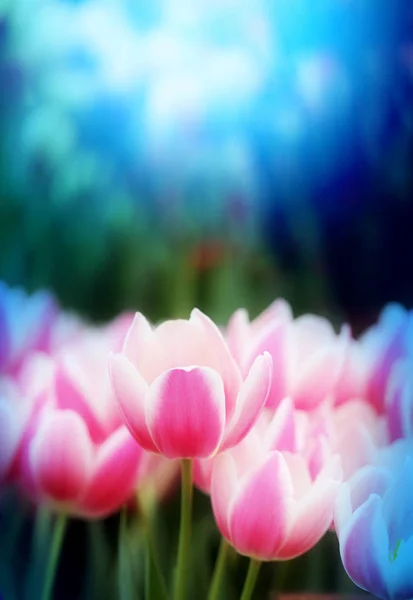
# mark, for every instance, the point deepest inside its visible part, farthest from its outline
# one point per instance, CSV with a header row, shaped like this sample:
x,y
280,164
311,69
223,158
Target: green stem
x,y
182,569
219,570
251,579
58,534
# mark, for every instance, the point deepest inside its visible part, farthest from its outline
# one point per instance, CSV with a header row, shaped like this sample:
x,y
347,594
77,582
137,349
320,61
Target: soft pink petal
x,y
300,475
70,396
186,412
61,456
258,516
114,475
319,374
281,431
131,390
279,310
223,487
238,334
313,513
220,359
251,399
203,473
274,340
139,334
310,332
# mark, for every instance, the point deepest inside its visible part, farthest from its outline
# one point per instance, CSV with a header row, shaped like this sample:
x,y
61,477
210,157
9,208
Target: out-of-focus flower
x,y
374,523
353,380
77,455
20,400
270,505
285,429
307,354
26,324
13,418
399,401
357,434
158,477
383,344
181,392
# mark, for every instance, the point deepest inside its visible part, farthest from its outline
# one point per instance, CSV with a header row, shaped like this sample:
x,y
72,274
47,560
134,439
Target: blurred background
x,y
214,153
218,153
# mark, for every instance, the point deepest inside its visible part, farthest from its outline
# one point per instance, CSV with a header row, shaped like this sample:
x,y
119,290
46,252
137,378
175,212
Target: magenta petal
x,y
61,456
130,390
186,412
259,515
251,399
115,475
364,548
223,488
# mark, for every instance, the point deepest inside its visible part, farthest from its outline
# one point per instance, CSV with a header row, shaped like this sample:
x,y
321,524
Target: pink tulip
x,y
268,505
25,323
356,434
285,428
180,390
374,523
307,355
77,455
353,380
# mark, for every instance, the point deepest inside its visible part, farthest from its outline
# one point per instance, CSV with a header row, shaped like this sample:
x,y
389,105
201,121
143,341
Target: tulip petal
x,y
70,396
401,580
398,504
220,359
320,373
313,513
115,475
203,473
131,390
259,514
281,432
186,412
223,487
364,548
137,337
237,334
251,399
274,340
61,456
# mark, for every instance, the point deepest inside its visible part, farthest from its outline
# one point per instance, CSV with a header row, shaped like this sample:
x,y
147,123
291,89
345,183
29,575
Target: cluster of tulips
x,y
291,428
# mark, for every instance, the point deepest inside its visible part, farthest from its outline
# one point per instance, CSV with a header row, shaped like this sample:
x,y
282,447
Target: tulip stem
x,y
219,570
57,540
184,547
251,579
